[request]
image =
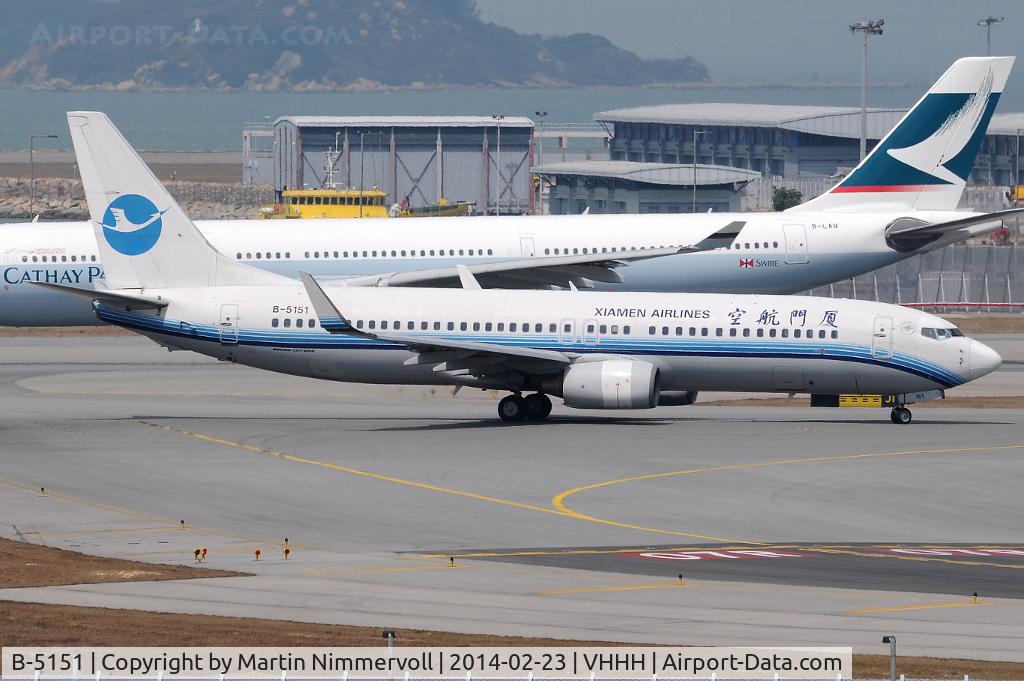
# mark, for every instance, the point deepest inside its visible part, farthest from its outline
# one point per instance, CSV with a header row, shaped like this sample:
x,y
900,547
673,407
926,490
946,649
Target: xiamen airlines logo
x,y
132,224
931,154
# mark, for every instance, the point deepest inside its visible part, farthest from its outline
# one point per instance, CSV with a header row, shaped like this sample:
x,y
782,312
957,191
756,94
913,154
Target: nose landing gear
x,y
515,407
901,415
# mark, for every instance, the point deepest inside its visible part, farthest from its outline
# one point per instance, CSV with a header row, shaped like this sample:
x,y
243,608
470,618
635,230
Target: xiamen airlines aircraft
x,y
899,202
595,350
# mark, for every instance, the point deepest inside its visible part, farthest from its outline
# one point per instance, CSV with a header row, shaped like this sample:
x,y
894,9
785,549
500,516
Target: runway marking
x,y
691,548
357,471
923,606
605,589
378,570
558,501
109,530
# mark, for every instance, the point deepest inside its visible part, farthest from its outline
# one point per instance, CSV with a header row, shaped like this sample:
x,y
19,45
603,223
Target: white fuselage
x,y
775,253
698,341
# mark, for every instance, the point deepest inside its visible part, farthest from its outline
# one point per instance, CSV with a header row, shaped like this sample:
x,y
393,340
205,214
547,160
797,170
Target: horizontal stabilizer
x,y
909,233
116,298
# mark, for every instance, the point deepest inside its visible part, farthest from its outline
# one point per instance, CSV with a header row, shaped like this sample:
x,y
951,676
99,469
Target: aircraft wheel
x,y
901,416
538,407
512,408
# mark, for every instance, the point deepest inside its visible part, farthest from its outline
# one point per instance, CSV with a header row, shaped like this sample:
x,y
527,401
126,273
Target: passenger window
x,y
476,326
679,331
24,258
554,327
760,333
785,333
652,330
590,328
411,326
615,329
746,333
821,334
490,251
772,332
835,334
718,331
298,323
704,331
538,327
488,326
625,330
501,326
384,325
451,326
693,331
359,324
437,326
423,326
796,333
664,331
512,326
312,323
732,331
604,328
274,322
373,324
288,323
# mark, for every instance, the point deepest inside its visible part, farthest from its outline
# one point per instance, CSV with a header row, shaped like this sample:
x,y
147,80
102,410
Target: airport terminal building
x,y
779,140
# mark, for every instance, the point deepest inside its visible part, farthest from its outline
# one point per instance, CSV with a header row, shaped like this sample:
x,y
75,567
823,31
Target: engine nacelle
x,y
611,384
677,398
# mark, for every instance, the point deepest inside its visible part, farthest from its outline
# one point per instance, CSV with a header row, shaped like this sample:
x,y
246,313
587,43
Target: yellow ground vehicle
x,y
328,203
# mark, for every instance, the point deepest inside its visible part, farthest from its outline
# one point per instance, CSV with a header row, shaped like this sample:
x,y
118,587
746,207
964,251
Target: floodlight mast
x,y
867,28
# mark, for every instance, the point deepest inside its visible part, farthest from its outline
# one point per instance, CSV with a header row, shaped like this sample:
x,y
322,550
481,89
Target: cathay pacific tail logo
x,y
931,154
132,224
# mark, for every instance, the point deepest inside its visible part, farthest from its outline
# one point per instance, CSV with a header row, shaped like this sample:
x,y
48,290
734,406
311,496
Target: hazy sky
x,y
782,40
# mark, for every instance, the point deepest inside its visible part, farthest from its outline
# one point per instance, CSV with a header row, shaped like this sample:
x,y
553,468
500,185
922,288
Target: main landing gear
x,y
901,415
515,407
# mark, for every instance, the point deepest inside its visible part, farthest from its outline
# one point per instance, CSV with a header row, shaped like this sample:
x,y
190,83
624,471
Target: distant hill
x,y
301,45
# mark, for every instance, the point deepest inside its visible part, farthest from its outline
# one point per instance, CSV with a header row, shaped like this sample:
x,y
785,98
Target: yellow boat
x,y
327,203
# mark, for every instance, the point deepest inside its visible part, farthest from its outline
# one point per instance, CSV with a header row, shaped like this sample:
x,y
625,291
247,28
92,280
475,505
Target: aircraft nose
x,y
984,360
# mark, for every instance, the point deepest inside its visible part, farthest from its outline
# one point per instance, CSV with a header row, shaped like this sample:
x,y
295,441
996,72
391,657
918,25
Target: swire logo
x,y
746,263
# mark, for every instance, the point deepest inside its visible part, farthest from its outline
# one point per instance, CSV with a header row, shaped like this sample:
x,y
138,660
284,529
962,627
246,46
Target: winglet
x,y
723,238
331,319
467,278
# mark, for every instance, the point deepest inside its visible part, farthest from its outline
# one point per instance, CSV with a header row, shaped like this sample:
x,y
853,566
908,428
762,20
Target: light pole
x,y
540,138
1016,168
696,132
988,22
497,163
867,28
32,171
540,158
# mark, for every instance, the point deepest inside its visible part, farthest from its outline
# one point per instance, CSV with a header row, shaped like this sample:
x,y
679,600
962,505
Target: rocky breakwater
x,y
63,199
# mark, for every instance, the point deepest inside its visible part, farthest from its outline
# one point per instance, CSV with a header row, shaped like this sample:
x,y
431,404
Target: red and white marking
x,y
725,554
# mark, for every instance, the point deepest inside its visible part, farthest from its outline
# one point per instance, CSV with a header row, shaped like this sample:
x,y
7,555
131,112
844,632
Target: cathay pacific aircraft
x,y
899,202
595,350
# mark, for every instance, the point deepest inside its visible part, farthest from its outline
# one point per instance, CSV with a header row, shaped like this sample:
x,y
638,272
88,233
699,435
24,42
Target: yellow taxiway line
x,y
922,606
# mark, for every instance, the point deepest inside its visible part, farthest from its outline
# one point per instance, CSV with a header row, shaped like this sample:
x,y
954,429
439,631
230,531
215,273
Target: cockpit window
x,y
941,334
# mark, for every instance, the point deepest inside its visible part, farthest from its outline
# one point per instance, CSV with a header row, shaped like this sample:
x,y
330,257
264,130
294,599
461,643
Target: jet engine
x,y
611,384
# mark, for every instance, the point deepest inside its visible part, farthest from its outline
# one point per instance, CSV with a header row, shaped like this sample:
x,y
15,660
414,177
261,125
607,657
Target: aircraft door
x,y
881,341
796,244
228,326
526,245
590,332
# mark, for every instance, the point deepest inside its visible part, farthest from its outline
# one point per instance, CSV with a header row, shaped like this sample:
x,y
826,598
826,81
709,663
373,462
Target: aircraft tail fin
x,y
145,239
924,162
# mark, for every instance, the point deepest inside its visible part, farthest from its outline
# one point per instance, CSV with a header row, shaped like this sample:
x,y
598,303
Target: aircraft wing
x,y
116,298
454,357
911,232
581,270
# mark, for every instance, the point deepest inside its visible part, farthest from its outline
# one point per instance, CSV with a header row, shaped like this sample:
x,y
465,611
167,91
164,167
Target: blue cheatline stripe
x,y
624,345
